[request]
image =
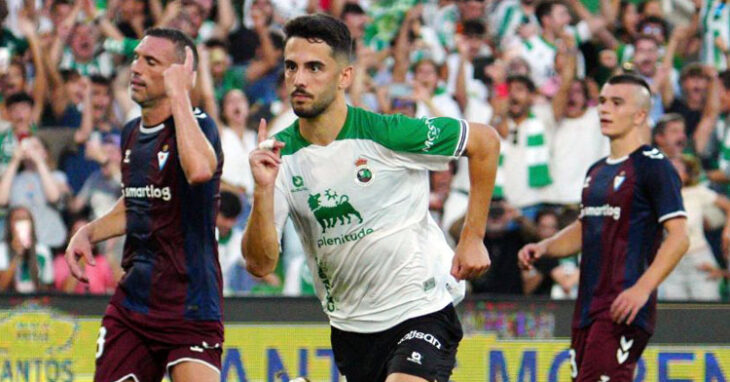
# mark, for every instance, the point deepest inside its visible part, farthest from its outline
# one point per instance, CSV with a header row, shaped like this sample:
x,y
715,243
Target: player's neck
x,y
324,128
624,145
157,113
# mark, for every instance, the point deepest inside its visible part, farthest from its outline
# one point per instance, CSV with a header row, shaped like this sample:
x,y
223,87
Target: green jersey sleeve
x,y
434,136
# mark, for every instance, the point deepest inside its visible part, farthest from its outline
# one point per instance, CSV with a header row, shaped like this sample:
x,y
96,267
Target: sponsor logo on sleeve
x,y
432,135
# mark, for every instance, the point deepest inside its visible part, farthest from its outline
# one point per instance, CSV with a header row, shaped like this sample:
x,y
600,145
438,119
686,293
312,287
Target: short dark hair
x,y
322,28
230,205
662,123
544,8
630,79
69,75
100,80
352,8
216,43
474,27
20,97
180,39
525,80
694,69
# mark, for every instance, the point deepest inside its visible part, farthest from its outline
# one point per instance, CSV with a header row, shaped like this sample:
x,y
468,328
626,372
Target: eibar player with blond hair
x,y
356,186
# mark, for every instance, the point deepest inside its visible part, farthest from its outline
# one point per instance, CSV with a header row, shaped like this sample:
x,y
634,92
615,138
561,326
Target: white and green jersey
x,y
540,54
715,19
102,64
506,20
360,207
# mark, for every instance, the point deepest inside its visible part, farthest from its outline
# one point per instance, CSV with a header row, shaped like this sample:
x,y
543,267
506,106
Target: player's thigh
x,y
427,347
400,377
122,354
194,363
578,340
361,357
193,372
611,352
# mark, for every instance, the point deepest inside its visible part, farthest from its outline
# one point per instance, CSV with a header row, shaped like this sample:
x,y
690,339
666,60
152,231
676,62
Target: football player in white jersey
x,y
356,186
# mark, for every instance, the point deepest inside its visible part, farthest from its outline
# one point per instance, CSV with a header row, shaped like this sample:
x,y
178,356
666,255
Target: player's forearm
x,y
260,245
483,152
111,224
197,157
670,252
565,243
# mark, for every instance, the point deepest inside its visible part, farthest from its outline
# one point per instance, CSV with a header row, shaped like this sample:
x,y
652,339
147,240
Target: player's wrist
x,y
262,190
644,286
469,233
180,97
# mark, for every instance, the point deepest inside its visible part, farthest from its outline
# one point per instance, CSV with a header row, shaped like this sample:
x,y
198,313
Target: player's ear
x,y
346,76
641,117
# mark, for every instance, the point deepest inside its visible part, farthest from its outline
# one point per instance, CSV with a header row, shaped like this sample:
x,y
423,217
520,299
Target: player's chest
x,y
150,160
610,186
327,179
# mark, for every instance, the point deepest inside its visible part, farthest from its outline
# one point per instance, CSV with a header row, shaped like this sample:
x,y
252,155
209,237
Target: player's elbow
x,y
199,175
258,270
483,140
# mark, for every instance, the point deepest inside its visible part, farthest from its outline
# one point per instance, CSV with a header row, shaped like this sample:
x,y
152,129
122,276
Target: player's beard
x,y
317,107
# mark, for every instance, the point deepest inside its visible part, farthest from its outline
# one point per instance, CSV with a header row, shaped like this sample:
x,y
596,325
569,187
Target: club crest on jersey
x,y
618,180
363,173
162,156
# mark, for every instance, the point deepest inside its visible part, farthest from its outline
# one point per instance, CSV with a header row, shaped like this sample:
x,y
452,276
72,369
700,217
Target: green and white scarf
x,y
536,158
499,179
724,140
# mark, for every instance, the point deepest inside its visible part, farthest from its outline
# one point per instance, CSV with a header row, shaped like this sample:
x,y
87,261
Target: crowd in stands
x,y
532,69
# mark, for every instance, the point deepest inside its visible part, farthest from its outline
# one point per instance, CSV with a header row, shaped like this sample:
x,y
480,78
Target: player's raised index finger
x,y
189,59
263,133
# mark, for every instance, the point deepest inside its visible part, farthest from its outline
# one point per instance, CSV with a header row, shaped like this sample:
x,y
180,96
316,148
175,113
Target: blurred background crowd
x,y
532,69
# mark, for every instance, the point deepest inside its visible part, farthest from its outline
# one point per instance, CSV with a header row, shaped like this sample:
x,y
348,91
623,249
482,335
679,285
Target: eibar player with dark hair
x,y
166,315
630,199
356,186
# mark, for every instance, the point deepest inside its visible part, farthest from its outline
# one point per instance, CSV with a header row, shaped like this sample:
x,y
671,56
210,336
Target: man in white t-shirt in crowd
x,y
573,130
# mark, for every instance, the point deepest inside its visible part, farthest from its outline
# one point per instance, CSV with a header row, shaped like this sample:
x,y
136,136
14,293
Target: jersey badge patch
x,y
363,173
298,183
618,180
162,156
